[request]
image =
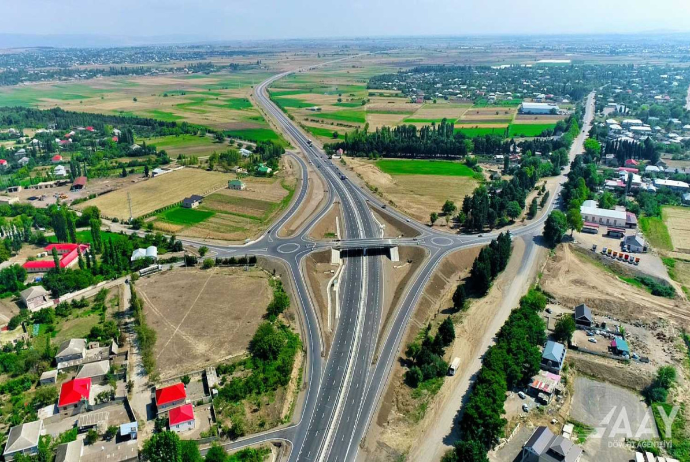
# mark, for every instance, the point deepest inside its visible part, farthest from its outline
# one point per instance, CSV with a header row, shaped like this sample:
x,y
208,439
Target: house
x,y
57,158
553,357
680,186
96,371
70,452
70,257
14,189
23,439
170,397
70,350
631,163
652,169
23,161
78,184
74,393
583,316
116,132
538,108
237,185
48,377
635,243
245,152
592,213
181,418
264,170
159,171
630,220
620,347
149,252
35,298
544,385
3,164
544,446
59,171
129,430
686,199
192,202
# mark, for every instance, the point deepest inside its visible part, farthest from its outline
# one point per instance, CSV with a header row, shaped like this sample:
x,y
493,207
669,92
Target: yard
x,y
202,317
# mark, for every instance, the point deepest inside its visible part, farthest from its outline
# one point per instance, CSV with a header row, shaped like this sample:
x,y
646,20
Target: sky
x,y
280,19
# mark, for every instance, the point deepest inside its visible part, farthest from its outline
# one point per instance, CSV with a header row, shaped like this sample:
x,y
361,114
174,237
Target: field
x,y
220,100
155,193
416,194
202,317
232,215
677,220
523,130
189,145
423,167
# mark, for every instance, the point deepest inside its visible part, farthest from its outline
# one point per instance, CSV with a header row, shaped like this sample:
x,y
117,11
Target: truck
x,y
453,368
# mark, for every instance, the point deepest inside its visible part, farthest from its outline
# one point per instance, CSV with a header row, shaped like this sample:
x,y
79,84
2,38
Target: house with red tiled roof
x,y
181,418
170,397
70,257
74,393
56,158
631,162
3,163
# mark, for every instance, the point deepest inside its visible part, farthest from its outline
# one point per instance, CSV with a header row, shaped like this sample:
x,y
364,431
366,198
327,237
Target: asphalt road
x,y
344,390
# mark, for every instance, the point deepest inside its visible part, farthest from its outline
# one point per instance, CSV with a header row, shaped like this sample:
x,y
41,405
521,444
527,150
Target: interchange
x,y
344,390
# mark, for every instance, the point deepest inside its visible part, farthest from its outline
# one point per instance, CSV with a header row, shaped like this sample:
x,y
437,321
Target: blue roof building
x,y
553,357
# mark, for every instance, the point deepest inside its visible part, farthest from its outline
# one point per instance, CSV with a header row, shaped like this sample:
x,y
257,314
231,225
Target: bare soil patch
x,y
392,227
319,272
203,317
326,227
315,200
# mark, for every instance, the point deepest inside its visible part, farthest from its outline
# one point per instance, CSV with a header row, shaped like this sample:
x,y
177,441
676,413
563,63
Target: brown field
x,y
385,120
391,105
416,195
481,112
439,111
158,192
677,221
202,317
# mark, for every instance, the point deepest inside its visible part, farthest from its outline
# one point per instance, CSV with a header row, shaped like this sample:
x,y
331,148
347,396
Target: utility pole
x,y
129,201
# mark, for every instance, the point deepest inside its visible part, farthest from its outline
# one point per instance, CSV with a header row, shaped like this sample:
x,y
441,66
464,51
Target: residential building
x,y
544,446
181,418
69,452
96,371
543,386
74,393
56,159
78,184
36,298
170,397
23,439
70,350
70,257
553,357
620,347
23,161
48,377
635,243
593,214
59,171
264,170
149,252
686,199
192,202
237,185
630,220
539,108
672,184
245,152
129,430
583,316
3,164
14,189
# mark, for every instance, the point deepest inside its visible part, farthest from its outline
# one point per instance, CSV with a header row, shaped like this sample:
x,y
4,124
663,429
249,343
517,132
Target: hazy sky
x,y
270,19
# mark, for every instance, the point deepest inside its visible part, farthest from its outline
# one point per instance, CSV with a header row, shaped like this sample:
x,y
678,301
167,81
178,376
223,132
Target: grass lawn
x,y
424,167
237,103
277,93
528,129
163,115
84,236
171,141
325,132
182,216
256,134
78,327
348,104
345,116
656,231
479,131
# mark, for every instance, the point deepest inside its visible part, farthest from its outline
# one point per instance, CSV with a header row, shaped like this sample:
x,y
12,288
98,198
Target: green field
x,y
528,129
162,115
656,232
479,131
84,236
256,134
348,104
427,121
182,216
237,103
278,93
424,167
292,103
179,141
345,116
325,132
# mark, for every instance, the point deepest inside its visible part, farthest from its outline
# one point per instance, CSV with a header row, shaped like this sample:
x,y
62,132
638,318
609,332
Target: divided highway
x,y
344,389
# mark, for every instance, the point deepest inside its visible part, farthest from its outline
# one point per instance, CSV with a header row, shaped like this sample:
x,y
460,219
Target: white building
x,y
23,439
672,184
60,171
632,123
538,108
149,252
591,213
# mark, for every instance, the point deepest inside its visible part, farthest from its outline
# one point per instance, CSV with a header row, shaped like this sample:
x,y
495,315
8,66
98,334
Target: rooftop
x,y
23,437
170,394
74,391
181,414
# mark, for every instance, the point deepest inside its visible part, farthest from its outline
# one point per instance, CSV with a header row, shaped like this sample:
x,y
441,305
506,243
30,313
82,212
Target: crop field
x,y
416,194
677,220
189,145
324,132
473,132
202,317
155,193
218,100
183,216
516,130
423,167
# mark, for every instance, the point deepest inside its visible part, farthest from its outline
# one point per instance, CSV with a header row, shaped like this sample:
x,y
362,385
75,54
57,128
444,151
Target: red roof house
x,y
89,129
69,252
79,183
74,392
171,396
115,139
181,415
628,169
57,158
630,162
3,162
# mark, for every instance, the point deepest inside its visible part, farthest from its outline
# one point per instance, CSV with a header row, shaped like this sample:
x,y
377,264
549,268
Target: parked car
x,y
548,310
521,395
592,340
525,407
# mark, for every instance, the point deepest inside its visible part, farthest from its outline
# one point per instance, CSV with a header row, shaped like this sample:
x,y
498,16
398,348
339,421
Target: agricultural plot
x,y
189,145
527,130
202,317
155,193
423,167
677,220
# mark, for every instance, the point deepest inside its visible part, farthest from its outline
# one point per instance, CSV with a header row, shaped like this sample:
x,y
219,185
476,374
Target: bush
x,y
208,263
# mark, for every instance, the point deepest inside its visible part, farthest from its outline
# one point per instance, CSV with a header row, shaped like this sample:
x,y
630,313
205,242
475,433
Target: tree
x,y
267,342
446,331
146,171
56,260
185,380
216,454
449,207
163,447
533,208
513,210
593,148
91,437
459,297
433,217
123,173
564,330
575,220
208,263
470,451
219,136
555,227
203,250
414,376
111,432
190,451
607,201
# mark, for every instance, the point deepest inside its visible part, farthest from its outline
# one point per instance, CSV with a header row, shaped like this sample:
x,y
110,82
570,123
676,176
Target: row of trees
x,y
510,362
425,355
168,447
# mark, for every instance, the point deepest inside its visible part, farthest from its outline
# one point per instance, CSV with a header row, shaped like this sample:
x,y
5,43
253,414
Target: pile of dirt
x,y
612,372
572,280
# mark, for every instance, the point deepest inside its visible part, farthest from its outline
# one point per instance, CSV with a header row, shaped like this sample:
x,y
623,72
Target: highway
x,y
343,390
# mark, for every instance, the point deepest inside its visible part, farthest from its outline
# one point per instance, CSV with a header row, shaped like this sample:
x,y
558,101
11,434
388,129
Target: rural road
x,y
344,390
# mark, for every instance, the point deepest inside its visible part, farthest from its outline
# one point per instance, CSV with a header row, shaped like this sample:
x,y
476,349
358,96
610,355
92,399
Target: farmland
x,y
182,216
184,308
189,145
155,193
677,220
423,167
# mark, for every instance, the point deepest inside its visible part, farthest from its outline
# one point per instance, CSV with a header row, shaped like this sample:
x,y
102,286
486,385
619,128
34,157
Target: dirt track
x,y
572,281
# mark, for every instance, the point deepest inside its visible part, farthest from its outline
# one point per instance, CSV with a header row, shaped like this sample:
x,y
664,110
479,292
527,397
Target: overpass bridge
x,y
343,248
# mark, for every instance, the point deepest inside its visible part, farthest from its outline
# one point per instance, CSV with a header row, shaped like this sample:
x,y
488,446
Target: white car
x,y
521,395
592,340
525,407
